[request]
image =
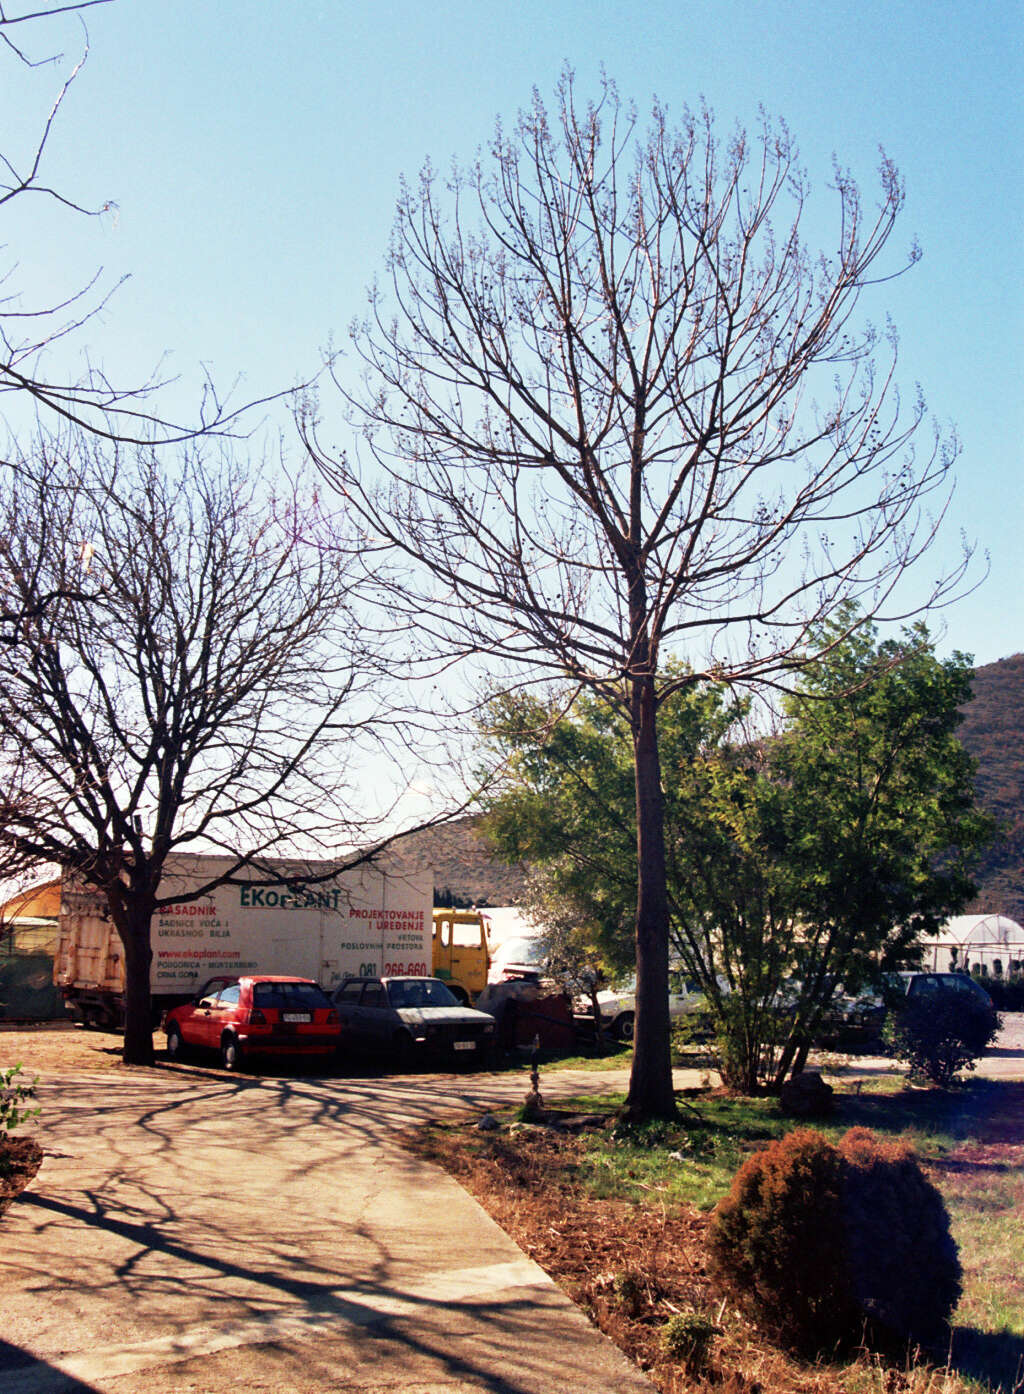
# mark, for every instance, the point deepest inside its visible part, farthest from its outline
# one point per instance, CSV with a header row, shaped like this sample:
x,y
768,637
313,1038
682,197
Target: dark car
x,y
916,986
411,1017
264,1015
856,1020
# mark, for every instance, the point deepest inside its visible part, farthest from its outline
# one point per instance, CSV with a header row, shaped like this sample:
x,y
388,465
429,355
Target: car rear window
x,y
288,995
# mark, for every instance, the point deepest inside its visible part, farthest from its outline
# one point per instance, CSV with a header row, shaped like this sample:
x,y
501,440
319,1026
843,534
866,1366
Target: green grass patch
x,y
985,1200
612,1056
693,1160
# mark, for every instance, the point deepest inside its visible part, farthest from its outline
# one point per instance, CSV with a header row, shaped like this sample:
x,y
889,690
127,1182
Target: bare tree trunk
x,y
595,1008
629,400
132,918
650,1086
786,1059
800,1059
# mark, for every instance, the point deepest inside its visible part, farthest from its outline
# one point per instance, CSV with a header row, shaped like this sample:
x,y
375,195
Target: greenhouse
x,y
992,945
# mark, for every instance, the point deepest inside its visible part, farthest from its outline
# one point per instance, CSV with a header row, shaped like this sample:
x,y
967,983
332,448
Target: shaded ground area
x,y
633,1267
19,1162
629,1268
193,1230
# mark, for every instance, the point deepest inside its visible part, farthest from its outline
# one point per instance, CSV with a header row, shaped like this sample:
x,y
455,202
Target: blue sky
x,y
254,151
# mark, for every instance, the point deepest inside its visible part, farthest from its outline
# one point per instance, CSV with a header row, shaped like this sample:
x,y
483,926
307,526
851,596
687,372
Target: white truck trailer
x,y
366,921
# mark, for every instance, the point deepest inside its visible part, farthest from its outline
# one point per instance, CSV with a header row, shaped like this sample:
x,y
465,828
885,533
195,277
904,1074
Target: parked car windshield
x,y
304,996
421,992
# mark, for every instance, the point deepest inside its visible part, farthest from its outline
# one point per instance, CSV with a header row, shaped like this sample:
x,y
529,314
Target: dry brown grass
x,y
631,1268
63,1049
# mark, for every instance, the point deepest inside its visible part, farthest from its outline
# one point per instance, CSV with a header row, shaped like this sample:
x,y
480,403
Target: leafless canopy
x,y
31,332
183,666
614,402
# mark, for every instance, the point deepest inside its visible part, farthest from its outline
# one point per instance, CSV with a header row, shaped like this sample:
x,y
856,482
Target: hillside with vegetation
x,y
993,731
466,871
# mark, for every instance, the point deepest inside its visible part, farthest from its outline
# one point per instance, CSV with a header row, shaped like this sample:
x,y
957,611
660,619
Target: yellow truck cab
x,y
461,953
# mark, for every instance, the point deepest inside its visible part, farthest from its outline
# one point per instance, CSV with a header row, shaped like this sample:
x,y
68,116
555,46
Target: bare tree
x,y
185,668
614,406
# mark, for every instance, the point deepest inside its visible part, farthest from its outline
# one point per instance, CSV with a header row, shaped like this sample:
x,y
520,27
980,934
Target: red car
x,y
264,1015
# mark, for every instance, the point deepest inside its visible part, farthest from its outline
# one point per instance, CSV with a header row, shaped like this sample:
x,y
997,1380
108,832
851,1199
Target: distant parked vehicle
x,y
250,1016
940,1023
618,1005
861,1016
461,954
520,957
917,986
321,921
410,1018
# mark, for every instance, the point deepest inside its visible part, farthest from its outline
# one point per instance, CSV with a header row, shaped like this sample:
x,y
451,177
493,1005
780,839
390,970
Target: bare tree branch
x,y
125,412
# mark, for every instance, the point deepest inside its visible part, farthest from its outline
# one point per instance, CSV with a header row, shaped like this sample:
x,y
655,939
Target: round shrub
x,y
903,1267
831,1246
687,1339
940,1034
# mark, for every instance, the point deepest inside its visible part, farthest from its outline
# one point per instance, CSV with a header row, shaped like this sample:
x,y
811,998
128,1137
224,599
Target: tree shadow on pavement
x,y
16,1362
188,1210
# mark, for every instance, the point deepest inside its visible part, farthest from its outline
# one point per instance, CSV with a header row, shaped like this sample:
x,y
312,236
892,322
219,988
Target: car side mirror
x,y
206,1001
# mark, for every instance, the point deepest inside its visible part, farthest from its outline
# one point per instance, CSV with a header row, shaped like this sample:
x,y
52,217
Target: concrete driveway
x,y
193,1231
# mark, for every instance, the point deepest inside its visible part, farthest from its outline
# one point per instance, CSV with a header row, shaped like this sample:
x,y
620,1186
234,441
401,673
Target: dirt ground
x,y
631,1268
62,1048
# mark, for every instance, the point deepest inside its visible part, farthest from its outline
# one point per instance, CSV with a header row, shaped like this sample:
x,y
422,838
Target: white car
x,y
618,1005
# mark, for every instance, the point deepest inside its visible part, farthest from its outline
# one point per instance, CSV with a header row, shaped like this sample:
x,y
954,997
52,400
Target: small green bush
x,y
941,1034
13,1093
687,1339
834,1245
629,1293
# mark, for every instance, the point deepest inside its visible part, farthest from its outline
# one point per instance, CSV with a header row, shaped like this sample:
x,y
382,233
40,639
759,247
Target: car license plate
x,y
296,1016
464,1045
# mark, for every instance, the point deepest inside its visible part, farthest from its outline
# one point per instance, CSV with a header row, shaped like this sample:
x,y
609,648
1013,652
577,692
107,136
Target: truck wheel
x,y
231,1053
175,1045
624,1027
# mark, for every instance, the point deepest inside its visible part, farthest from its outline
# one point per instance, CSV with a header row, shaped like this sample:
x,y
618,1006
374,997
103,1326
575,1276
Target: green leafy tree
x,y
566,800
571,954
795,862
735,907
566,803
883,830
